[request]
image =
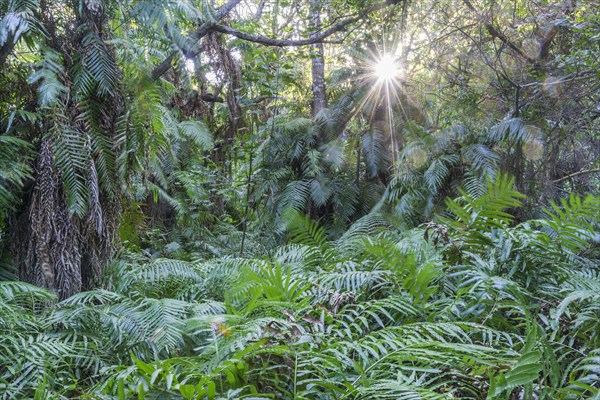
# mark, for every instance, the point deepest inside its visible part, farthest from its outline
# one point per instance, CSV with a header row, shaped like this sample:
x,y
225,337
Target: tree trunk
x,y
53,246
318,61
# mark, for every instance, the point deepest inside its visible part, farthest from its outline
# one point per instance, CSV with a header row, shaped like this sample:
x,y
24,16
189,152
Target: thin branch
x,y
582,172
259,11
564,79
495,33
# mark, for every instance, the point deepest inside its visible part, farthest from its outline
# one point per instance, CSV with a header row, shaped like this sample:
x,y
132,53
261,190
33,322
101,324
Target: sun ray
x,y
381,75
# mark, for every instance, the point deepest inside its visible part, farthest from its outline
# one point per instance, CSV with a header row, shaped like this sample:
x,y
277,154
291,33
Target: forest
x,y
299,199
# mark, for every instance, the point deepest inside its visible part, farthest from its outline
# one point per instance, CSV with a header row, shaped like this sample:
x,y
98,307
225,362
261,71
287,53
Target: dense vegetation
x,y
299,199
464,307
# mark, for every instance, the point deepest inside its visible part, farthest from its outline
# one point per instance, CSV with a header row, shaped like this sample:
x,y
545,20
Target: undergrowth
x,y
468,306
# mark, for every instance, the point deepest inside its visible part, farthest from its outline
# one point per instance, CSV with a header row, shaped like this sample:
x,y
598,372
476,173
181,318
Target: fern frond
x,y
349,278
198,132
368,225
482,159
303,230
486,212
569,224
13,172
49,74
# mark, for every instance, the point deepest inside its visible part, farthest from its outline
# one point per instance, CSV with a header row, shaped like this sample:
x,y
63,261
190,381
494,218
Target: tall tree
x,y
317,60
66,230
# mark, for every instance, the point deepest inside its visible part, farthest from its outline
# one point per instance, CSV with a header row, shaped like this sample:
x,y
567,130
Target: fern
x,y
49,73
12,174
197,132
314,250
570,223
478,216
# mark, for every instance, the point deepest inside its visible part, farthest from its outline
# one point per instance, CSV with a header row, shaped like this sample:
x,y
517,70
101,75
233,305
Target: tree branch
x,y
582,172
196,35
267,41
164,66
499,35
315,38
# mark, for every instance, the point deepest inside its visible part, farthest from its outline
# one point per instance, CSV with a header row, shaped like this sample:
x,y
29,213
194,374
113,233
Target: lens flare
x,y
386,68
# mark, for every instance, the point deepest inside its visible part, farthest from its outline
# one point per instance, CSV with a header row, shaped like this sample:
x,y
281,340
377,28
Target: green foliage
x,y
476,217
570,222
303,167
434,312
434,165
376,250
49,73
12,175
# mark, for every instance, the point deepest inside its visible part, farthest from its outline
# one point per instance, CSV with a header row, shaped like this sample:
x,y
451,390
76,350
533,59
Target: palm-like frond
x,y
570,222
100,64
478,216
198,132
12,174
303,230
374,146
18,21
49,75
72,156
511,130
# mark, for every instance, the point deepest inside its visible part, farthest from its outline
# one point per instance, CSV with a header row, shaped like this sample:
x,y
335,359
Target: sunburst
x,y
382,73
386,68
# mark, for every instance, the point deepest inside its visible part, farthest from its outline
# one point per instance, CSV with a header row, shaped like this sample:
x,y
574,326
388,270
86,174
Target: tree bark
x,y
318,60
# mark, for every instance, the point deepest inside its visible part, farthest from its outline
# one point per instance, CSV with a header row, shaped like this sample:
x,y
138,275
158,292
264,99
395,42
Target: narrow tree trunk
x,y
318,61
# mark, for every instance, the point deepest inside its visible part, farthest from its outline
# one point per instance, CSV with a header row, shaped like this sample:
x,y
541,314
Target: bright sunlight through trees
x,y
386,68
